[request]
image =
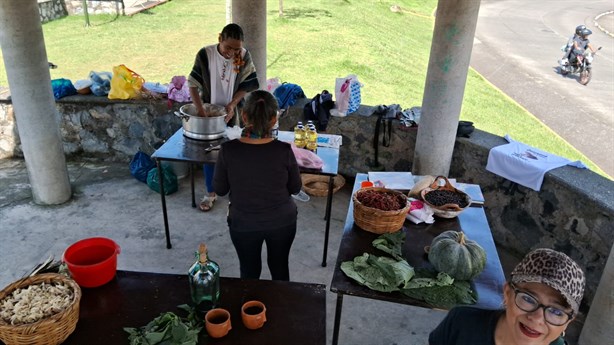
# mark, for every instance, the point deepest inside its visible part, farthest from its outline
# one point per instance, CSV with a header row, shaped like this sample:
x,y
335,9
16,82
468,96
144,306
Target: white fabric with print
x,y
524,164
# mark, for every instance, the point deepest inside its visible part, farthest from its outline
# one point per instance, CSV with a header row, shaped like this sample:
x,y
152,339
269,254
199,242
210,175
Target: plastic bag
x,y
347,95
101,83
272,84
306,158
170,180
125,84
178,90
62,88
140,165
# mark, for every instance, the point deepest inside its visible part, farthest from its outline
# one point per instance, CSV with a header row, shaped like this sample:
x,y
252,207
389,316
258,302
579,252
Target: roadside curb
x,y
604,30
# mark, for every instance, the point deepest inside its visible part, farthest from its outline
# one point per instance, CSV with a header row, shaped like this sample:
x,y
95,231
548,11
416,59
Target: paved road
x,y
516,48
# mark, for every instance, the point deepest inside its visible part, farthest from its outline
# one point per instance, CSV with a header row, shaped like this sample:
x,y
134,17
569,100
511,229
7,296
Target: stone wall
x,y
98,128
574,212
51,10
95,7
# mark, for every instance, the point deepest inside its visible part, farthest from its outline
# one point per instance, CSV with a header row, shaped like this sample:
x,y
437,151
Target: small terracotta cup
x,y
253,314
217,322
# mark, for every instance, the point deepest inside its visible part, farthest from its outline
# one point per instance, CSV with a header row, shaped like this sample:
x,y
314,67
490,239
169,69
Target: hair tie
x,y
261,100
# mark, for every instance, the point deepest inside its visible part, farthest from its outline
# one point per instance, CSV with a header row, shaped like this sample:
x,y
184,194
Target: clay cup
x,y
253,314
217,322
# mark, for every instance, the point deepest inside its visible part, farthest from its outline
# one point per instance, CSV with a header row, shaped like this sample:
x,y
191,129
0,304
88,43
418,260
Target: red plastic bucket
x,y
92,262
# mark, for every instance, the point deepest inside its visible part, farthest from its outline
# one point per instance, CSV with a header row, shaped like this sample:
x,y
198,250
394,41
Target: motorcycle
x,y
582,65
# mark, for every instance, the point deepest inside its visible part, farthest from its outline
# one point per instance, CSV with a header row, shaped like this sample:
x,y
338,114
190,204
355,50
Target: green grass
x,y
315,42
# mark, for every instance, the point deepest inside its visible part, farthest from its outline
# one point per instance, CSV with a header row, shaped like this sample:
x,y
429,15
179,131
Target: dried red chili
x,y
384,201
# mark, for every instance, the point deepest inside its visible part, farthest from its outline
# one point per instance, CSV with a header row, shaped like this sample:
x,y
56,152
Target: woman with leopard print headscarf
x,y
541,299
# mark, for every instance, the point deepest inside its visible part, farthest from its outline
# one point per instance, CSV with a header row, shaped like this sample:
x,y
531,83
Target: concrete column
x,y
251,16
599,325
25,59
455,24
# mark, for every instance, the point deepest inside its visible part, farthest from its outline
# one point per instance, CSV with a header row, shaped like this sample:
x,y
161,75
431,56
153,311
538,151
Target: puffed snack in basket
x,y
51,330
452,201
376,220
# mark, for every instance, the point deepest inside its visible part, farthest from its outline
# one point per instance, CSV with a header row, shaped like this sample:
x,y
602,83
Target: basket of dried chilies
x,y
379,210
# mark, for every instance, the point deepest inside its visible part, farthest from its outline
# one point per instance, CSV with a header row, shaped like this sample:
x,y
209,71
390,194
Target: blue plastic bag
x,y
140,165
101,83
62,88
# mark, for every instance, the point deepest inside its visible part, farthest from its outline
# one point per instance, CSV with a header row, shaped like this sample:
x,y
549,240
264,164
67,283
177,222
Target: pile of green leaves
x,y
167,329
386,275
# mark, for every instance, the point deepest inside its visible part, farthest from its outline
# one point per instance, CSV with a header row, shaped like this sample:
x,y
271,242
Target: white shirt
x,y
223,76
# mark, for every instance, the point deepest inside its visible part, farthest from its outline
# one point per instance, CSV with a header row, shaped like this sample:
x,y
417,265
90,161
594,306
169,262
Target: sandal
x,y
206,204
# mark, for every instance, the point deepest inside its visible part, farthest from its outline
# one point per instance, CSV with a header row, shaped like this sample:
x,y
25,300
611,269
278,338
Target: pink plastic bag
x,y
178,89
307,159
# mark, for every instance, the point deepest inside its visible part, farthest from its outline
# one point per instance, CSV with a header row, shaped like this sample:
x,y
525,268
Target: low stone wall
x,y
95,7
99,128
51,10
574,212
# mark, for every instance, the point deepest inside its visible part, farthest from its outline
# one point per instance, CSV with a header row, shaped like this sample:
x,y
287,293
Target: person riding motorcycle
x,y
571,39
580,44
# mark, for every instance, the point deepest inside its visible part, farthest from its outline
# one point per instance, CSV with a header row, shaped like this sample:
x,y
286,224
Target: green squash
x,y
453,253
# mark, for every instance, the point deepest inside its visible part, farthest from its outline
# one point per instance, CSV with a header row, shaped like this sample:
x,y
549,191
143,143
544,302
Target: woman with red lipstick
x,y
541,299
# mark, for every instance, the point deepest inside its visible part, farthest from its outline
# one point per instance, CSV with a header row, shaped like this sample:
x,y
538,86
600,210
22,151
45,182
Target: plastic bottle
x,y
312,138
299,135
204,278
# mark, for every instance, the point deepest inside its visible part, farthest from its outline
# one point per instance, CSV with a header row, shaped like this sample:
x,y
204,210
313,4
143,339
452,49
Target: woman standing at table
x,y
260,174
541,299
223,74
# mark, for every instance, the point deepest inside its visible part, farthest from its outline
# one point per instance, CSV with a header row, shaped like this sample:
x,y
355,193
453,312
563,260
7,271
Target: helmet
x,y
585,33
579,29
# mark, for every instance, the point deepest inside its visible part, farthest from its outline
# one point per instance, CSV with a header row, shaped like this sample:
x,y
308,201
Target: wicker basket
x,y
375,220
447,210
50,331
317,185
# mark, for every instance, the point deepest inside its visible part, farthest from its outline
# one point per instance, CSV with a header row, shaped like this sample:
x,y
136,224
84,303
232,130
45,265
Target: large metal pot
x,y
203,128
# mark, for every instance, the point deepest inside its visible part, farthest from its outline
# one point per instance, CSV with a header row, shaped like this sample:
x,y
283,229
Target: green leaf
x,y
391,243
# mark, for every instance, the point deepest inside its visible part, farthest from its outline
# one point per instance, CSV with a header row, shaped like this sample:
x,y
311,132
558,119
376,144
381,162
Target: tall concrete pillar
x,y
455,24
25,60
599,325
251,16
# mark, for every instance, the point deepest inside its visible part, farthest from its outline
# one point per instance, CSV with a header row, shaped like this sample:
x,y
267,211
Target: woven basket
x,y
317,185
447,210
375,220
50,331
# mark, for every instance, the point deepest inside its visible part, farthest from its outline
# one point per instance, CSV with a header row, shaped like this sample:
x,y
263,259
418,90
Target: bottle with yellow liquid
x,y
299,135
312,138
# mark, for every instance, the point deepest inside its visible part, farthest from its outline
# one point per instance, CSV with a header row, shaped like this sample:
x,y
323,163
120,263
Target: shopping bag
x,y
140,165
125,84
62,88
170,179
347,95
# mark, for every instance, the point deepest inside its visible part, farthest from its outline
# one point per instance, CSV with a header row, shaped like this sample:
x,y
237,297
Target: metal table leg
x,y
191,169
163,198
329,202
338,311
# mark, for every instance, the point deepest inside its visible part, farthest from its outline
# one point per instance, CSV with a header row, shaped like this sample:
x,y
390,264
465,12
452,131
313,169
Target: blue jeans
x,y
208,170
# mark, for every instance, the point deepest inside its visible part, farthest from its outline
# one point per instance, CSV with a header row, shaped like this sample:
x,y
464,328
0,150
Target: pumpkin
x,y
453,253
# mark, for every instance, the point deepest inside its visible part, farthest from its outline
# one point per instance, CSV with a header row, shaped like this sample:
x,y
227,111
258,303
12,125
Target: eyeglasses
x,y
528,303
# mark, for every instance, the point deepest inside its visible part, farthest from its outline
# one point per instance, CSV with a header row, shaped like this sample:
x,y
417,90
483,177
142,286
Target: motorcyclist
x,y
571,39
580,44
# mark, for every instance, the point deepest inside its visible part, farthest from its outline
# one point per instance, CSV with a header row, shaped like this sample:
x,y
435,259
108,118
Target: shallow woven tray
x,y
317,185
50,331
375,220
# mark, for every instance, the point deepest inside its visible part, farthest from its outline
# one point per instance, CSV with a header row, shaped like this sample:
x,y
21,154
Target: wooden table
x,y
181,149
296,312
355,242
